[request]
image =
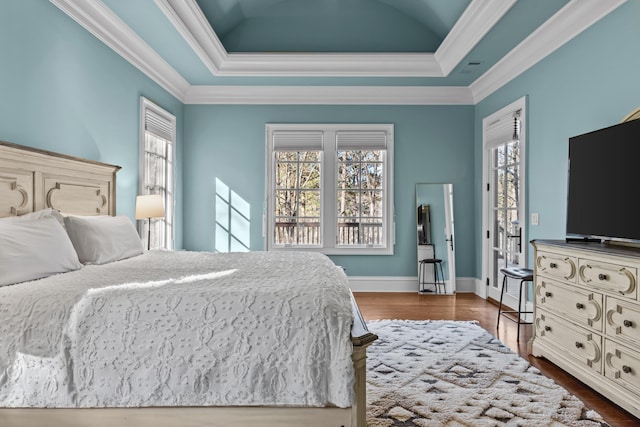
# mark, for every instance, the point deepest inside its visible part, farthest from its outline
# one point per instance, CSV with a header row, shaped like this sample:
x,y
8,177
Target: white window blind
x,y
298,141
359,140
505,129
160,125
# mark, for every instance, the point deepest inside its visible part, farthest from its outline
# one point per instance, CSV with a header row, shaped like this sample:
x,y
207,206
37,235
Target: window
x,y
157,145
329,188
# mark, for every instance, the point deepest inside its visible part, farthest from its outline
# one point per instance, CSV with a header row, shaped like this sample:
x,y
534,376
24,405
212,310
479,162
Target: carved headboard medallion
x,y
16,193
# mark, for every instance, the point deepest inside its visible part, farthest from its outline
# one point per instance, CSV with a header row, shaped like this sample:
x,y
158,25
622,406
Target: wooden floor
x,y
413,306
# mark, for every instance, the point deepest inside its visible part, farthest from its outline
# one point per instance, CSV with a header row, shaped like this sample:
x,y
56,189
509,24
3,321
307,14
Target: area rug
x,y
445,373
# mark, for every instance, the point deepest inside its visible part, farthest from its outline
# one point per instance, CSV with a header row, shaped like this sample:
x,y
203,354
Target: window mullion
x,y
330,194
387,211
296,198
360,204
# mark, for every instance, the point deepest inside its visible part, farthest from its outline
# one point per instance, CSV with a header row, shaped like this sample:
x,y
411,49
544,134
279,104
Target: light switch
x,y
535,218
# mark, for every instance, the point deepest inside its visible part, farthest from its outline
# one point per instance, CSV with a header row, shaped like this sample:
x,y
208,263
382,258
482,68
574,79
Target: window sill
x,y
337,251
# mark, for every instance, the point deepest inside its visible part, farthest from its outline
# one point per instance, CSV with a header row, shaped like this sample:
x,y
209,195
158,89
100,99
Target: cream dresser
x,y
587,315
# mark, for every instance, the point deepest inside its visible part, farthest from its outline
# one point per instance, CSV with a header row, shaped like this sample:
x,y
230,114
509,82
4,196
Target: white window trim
x,y
148,105
329,192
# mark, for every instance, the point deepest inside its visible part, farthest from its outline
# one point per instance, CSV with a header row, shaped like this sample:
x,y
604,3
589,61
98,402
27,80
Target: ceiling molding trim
x,y
329,95
476,21
189,20
104,24
332,65
567,23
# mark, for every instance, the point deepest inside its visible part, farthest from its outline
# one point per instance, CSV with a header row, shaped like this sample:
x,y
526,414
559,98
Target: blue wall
x,y
432,144
63,90
589,83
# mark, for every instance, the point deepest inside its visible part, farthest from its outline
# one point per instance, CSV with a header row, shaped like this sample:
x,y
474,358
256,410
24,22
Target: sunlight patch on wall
x,y
233,224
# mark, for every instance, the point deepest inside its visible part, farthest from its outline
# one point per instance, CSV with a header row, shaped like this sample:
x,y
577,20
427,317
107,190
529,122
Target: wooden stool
x,y
525,275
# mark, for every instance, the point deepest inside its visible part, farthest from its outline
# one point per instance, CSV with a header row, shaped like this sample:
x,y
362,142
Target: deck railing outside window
x,y
308,233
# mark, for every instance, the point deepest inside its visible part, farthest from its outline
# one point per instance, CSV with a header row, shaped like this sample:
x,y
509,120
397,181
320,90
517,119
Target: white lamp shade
x,y
149,206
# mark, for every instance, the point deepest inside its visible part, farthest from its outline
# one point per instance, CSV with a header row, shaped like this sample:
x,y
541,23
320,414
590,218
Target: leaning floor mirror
x,y
435,238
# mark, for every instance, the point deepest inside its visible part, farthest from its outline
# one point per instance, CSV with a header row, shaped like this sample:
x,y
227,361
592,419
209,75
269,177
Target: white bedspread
x,y
180,329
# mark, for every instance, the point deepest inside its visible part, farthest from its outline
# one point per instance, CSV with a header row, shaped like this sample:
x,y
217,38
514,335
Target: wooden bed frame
x,y
32,179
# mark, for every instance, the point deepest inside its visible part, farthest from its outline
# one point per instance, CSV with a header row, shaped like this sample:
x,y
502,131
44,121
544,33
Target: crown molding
x,y
189,20
332,65
575,17
103,23
476,21
330,95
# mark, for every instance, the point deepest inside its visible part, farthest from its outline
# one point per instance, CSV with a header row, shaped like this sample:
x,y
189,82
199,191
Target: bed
x,y
65,383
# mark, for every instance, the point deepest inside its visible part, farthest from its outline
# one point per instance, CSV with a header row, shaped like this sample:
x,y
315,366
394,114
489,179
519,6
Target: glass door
x,y
505,232
505,244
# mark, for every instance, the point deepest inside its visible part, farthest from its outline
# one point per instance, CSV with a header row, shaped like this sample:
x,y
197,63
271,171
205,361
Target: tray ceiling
x,y
334,51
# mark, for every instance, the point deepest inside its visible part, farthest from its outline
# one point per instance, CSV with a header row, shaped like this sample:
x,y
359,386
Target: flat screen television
x,y
604,184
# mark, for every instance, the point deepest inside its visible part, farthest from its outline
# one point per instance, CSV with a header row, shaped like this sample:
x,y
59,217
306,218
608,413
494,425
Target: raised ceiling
x,y
334,51
378,26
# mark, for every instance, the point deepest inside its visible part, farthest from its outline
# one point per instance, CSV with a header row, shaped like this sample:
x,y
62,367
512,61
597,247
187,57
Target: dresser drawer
x,y
579,344
556,266
581,306
608,277
622,365
622,320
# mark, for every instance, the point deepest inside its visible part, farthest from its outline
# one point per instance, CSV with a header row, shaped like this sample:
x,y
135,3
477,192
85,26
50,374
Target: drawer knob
x,y
602,277
626,369
627,323
579,305
547,294
553,265
579,344
547,328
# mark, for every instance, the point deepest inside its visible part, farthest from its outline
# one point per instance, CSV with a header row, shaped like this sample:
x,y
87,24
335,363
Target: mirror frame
x,y
443,245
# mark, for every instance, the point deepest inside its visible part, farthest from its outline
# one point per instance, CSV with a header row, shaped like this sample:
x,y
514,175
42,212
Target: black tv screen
x,y
604,178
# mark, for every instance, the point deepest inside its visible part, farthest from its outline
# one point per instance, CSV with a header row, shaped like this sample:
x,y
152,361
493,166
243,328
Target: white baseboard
x,y
466,284
383,283
401,284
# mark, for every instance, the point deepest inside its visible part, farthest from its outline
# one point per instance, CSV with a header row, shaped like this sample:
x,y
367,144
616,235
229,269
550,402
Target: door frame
x,y
449,230
485,290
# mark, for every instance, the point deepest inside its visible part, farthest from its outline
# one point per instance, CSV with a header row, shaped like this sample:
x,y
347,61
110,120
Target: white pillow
x,y
102,239
43,213
34,248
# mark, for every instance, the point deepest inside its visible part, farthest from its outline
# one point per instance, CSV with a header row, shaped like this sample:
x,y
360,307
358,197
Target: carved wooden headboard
x,y
32,179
